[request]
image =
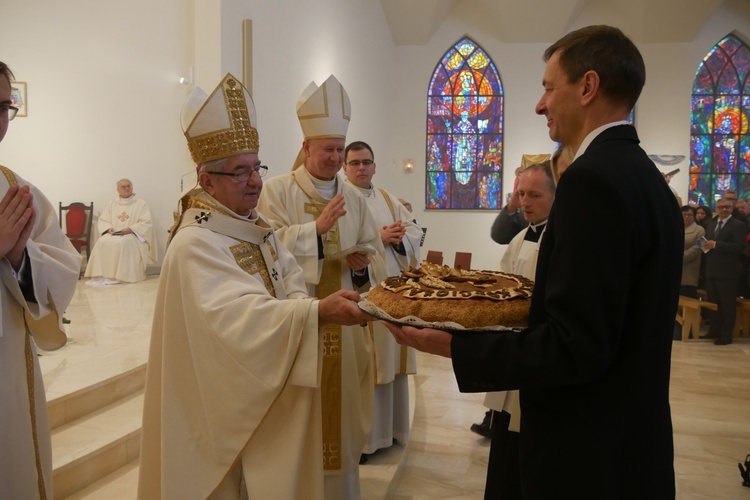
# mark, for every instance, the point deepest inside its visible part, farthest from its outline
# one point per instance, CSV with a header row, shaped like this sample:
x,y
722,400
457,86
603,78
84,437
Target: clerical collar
x,y
535,231
327,189
128,198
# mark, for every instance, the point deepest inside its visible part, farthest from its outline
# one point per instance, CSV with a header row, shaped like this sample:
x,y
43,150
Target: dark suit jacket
x,y
506,226
723,262
593,366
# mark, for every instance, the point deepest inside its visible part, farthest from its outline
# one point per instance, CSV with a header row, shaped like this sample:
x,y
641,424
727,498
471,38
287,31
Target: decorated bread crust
x,y
471,298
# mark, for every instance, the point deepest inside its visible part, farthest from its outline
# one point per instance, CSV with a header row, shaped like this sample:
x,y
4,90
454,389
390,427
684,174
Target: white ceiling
x,y
413,22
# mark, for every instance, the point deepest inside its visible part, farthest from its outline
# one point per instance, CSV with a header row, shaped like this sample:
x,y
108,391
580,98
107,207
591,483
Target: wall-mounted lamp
x,y
408,165
187,80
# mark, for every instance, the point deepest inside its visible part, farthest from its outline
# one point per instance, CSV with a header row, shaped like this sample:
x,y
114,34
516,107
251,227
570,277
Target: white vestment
x,y
292,204
519,258
392,361
233,381
55,266
123,257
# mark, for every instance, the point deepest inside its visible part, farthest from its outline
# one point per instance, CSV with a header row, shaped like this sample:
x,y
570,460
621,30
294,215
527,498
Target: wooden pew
x,y
742,319
689,316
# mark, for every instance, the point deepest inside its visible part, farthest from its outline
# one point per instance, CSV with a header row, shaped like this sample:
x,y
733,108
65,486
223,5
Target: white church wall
x,y
103,99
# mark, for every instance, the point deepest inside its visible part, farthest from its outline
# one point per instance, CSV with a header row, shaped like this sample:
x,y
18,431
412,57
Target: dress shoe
x,y
709,336
723,342
483,429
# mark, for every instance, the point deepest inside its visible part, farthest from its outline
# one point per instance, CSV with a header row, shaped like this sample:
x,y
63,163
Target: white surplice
x,y
519,258
292,204
124,257
233,378
55,266
392,361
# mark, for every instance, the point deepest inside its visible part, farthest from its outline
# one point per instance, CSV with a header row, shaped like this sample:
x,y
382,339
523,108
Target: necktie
x,y
718,227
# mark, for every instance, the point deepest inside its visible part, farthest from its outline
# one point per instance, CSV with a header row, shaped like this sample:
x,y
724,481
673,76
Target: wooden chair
x,y
435,257
463,260
78,220
689,316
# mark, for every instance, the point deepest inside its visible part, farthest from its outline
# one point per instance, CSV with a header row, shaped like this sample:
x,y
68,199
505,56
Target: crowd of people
x,y
266,380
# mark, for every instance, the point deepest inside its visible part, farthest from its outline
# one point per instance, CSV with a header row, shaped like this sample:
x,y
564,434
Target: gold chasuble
x,y
292,204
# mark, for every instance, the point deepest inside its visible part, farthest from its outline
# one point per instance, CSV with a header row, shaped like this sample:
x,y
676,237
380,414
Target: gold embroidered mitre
x,y
220,125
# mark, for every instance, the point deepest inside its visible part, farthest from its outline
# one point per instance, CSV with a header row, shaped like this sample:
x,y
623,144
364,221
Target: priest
x,y
127,243
330,231
401,237
39,269
232,400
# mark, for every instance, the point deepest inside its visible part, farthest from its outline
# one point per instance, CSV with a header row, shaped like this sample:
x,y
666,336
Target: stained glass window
x,y
719,141
464,160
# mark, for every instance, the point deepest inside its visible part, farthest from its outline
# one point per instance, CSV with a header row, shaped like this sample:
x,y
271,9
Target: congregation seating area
x,y
690,314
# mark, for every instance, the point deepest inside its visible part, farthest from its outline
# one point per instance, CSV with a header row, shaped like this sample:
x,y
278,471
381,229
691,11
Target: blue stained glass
x,y
704,82
744,156
742,63
716,61
720,119
725,154
464,151
730,45
728,81
702,112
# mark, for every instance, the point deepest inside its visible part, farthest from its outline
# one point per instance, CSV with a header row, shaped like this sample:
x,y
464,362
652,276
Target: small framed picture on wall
x,y
18,97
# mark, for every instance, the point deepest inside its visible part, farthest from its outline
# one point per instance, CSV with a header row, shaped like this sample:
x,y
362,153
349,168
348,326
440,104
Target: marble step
x,y
121,484
94,390
90,447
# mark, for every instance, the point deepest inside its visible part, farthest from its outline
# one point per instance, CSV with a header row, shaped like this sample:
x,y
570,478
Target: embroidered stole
x,y
330,282
254,253
30,383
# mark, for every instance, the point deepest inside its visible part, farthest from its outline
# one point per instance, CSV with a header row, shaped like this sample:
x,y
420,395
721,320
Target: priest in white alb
x,y
127,243
38,273
327,226
401,237
232,400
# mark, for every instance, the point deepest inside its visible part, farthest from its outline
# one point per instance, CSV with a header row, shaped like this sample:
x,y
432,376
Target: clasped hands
x,y
17,217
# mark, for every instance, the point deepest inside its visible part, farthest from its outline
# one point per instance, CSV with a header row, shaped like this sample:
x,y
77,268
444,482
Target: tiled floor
x,y
709,394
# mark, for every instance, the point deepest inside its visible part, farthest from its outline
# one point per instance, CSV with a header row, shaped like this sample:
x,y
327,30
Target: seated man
x,y
128,242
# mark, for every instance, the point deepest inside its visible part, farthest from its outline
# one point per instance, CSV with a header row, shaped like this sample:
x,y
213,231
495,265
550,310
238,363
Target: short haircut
x,y
545,167
358,146
608,52
728,200
688,208
6,72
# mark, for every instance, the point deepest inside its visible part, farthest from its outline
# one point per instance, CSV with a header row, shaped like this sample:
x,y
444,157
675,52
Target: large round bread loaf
x,y
471,298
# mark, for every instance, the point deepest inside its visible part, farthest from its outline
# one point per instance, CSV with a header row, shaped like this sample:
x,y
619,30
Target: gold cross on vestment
x,y
123,217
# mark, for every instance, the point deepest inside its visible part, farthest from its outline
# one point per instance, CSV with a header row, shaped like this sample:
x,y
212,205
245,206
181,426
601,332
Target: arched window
x,y
464,160
719,141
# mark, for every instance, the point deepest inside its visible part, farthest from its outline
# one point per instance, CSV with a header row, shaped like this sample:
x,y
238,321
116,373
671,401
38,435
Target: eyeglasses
x,y
244,175
8,112
357,163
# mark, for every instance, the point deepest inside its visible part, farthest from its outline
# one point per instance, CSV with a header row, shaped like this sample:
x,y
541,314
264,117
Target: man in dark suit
x,y
726,237
593,365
